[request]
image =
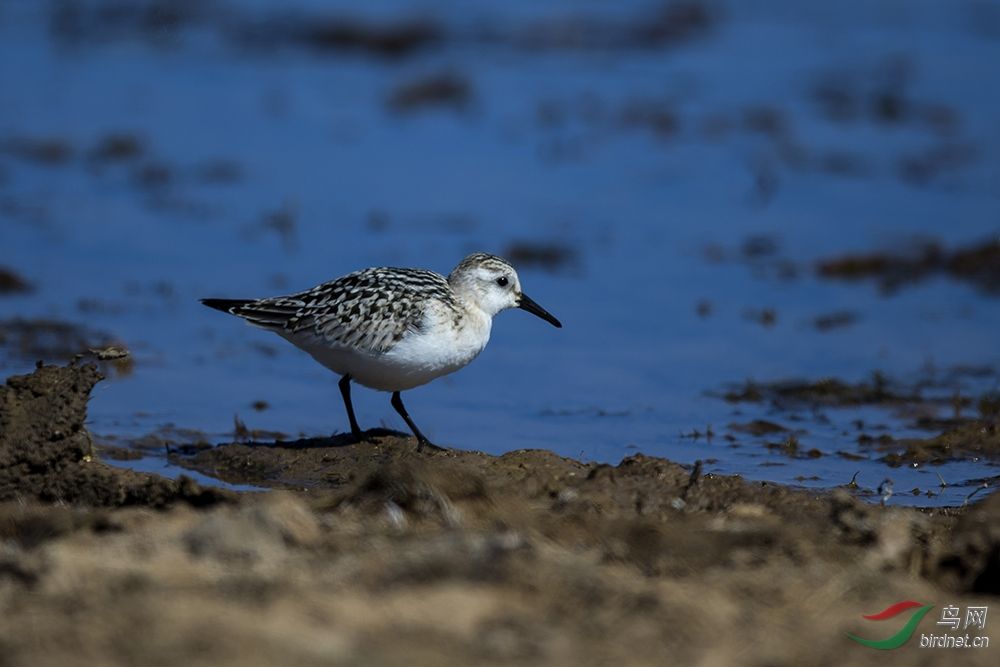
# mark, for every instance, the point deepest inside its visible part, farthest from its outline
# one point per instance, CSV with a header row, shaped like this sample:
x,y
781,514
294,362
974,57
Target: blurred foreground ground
x,y
375,554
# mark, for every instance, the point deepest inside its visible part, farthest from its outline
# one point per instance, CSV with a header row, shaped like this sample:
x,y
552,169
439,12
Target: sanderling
x,y
393,329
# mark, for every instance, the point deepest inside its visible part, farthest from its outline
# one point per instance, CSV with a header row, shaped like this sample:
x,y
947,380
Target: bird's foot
x,y
356,435
424,442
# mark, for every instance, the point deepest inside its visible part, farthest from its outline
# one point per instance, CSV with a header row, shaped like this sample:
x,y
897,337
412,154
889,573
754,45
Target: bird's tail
x,y
226,305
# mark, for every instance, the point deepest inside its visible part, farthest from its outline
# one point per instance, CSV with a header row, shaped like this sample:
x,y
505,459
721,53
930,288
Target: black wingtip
x,y
225,305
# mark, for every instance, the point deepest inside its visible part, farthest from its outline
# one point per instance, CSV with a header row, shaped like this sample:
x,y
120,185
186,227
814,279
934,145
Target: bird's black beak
x,y
524,303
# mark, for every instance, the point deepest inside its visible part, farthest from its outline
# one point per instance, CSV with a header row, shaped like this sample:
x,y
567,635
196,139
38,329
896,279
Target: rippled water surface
x,y
668,176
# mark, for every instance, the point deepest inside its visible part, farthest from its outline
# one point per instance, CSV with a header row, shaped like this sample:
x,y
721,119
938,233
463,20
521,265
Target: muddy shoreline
x,y
374,553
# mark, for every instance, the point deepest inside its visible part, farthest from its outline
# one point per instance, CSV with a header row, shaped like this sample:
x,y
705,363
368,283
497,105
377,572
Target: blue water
x,y
159,466
547,150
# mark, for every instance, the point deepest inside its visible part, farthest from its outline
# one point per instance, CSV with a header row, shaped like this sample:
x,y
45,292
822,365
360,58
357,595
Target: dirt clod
x,y
437,90
12,283
48,455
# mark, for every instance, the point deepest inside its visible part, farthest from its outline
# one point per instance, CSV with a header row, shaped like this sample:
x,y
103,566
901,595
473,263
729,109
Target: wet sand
x,y
373,553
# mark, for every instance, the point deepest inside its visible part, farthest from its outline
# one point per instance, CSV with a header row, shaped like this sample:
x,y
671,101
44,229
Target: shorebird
x,y
393,329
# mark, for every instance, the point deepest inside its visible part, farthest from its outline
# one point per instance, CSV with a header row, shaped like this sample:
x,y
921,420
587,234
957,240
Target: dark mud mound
x,y
13,283
47,454
445,89
825,392
32,339
959,437
978,264
972,439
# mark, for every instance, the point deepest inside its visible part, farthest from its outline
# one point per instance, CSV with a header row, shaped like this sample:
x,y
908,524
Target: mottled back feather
x,y
369,310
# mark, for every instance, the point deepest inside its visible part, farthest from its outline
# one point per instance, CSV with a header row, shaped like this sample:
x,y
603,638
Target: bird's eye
x,y
502,281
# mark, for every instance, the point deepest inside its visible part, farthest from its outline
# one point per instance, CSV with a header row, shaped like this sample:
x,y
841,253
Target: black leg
x,y
397,403
345,391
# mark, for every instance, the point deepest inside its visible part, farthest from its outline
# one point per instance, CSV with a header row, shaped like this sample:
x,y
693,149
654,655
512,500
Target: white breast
x,y
439,347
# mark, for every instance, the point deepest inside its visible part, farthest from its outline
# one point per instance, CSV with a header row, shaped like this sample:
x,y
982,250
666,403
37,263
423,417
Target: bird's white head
x,y
491,283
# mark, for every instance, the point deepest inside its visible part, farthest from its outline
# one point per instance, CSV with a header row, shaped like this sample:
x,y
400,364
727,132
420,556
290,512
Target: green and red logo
x,y
904,633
